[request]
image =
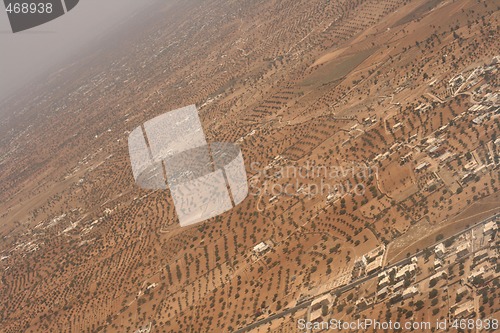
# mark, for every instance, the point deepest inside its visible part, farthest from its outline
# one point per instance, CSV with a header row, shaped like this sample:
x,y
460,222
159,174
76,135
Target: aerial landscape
x,y
370,134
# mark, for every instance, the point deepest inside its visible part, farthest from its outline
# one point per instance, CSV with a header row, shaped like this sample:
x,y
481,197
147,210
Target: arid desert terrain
x,y
370,135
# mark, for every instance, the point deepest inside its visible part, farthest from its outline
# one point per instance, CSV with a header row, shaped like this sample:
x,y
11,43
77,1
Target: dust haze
x,y
28,54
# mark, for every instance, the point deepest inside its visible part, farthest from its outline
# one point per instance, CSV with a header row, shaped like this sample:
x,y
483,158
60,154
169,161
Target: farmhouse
x,y
260,248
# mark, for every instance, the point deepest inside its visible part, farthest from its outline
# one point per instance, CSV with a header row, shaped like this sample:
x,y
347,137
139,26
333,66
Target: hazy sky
x,y
26,54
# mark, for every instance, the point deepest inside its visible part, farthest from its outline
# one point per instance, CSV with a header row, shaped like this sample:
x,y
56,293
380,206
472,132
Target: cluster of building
x,y
435,149
467,80
482,267
488,103
485,106
474,248
396,282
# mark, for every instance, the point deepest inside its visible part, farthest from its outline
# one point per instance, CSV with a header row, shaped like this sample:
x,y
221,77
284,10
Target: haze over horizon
x,y
28,54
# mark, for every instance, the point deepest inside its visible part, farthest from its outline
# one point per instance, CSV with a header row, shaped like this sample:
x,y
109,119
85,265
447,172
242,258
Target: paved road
x,y
274,316
352,285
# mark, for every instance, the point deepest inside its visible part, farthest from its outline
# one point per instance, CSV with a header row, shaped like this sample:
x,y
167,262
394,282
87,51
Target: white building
x,y
410,292
490,227
374,265
438,276
421,166
398,286
384,282
438,263
260,248
382,292
406,269
464,309
440,250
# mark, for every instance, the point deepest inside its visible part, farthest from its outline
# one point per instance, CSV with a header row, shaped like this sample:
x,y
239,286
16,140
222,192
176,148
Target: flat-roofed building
x,y
440,250
464,310
384,282
462,291
490,227
398,285
260,248
438,276
462,249
410,292
323,300
382,292
410,268
374,265
480,256
438,263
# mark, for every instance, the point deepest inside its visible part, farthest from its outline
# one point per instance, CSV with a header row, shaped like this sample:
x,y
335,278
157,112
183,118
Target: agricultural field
x,y
370,133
